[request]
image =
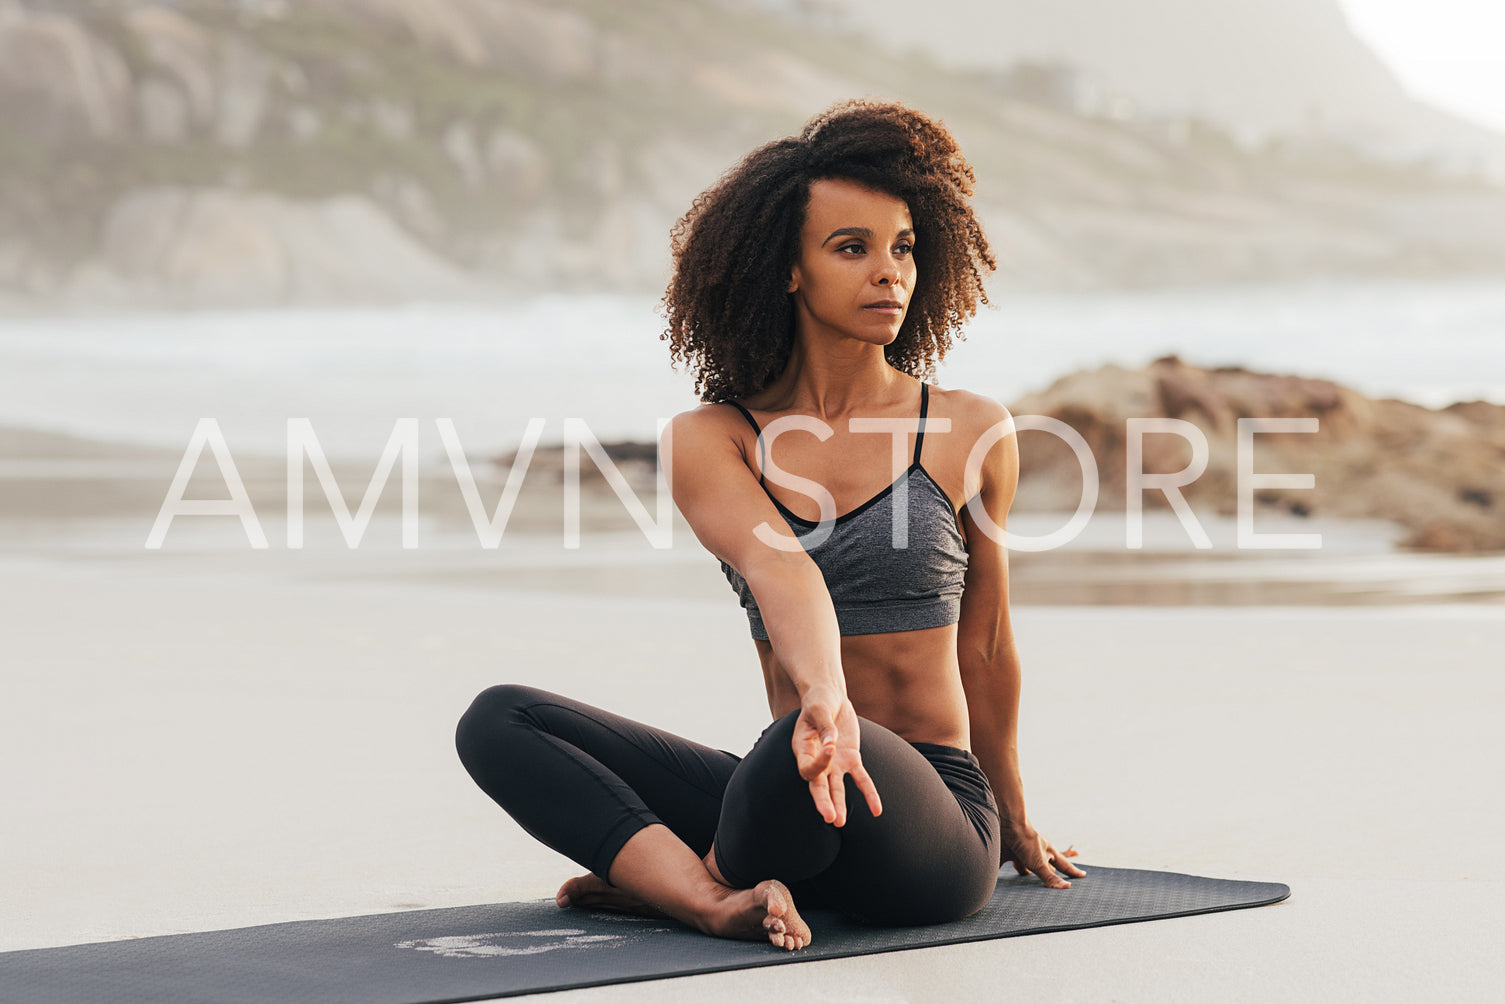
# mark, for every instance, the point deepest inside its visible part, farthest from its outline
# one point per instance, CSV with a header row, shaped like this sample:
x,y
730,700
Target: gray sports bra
x,y
876,586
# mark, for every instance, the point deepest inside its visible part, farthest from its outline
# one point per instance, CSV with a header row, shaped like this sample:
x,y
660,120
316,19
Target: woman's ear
x,y
794,280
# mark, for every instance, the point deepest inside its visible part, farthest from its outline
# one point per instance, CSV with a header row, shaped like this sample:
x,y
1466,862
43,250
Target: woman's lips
x,y
893,307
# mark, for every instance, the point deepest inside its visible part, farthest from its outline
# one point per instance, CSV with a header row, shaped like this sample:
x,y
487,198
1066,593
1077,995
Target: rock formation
x,y
1438,473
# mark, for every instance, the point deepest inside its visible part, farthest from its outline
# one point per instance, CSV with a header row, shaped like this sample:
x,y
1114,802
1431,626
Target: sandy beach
x,y
206,736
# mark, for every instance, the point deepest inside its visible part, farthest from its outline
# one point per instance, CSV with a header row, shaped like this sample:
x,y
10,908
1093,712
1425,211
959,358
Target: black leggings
x,y
583,781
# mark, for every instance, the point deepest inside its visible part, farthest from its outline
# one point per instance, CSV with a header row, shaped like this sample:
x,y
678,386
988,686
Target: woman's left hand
x,y
826,750
1030,852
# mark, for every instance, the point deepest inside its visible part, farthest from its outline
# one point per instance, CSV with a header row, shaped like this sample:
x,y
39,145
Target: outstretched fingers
x,y
1032,853
1037,857
826,753
1053,879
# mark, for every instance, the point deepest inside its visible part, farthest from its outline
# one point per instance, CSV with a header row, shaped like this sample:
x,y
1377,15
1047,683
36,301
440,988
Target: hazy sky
x,y
1449,53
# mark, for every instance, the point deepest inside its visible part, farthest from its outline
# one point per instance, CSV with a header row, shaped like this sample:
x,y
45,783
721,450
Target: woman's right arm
x,y
724,504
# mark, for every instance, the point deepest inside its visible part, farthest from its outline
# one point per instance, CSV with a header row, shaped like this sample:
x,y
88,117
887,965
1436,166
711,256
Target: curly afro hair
x,y
729,314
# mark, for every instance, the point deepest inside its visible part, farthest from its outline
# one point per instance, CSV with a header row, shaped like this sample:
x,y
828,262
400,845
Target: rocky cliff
x,y
266,152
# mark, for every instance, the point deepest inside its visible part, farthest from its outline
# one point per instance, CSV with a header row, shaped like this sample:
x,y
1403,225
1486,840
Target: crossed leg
x,y
641,810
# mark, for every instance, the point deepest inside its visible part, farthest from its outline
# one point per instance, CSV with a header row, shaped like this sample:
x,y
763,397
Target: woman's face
x,y
856,267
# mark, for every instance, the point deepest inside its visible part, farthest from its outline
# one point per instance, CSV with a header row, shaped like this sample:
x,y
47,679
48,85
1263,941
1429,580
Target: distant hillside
x,y
206,153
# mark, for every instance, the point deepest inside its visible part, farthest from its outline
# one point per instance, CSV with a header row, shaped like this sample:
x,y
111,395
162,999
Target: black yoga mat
x,y
475,952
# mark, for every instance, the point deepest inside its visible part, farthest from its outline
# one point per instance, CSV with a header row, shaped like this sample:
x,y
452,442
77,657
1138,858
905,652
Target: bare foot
x,y
764,911
591,892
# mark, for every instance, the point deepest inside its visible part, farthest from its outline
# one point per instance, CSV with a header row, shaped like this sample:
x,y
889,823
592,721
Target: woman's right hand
x,y
826,750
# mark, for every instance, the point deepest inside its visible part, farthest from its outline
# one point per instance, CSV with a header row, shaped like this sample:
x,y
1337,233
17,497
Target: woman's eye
x,y
857,248
904,248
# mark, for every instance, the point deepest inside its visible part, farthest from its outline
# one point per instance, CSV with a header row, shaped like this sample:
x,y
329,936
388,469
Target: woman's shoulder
x,y
715,416
707,431
967,410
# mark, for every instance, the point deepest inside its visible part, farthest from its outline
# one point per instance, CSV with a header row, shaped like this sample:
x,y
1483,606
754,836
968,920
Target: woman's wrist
x,y
822,694
1008,794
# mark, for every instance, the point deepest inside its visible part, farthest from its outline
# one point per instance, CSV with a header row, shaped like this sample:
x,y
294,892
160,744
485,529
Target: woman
x,y
815,285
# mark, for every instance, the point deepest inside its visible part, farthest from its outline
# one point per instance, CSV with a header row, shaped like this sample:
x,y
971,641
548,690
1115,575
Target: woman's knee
x,y
769,826
772,756
489,715
780,731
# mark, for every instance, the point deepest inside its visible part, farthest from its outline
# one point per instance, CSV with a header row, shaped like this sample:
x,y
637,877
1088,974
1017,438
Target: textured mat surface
x,y
474,952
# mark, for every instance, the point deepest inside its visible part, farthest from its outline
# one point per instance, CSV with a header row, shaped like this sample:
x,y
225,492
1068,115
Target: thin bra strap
x,y
747,415
919,440
762,458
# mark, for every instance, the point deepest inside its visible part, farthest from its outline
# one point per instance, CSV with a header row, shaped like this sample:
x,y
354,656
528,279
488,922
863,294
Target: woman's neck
x,y
832,381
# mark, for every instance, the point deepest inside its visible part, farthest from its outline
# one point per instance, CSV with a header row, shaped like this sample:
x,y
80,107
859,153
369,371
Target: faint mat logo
x,y
501,944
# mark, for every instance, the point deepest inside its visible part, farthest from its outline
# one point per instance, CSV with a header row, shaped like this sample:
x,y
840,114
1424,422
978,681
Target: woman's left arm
x,y
989,660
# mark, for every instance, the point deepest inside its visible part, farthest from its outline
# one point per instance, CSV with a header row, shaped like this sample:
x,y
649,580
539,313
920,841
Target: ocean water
x,y
149,379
